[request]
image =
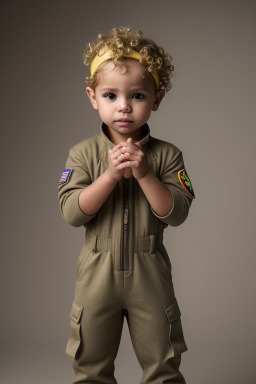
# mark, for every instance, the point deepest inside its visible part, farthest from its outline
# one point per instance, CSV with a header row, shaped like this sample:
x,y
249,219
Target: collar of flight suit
x,y
145,142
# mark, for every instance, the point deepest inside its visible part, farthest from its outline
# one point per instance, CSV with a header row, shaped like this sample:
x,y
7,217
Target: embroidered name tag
x,y
65,176
185,181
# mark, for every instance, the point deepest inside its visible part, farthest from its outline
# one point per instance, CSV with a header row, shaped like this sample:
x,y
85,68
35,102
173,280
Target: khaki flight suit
x,y
123,268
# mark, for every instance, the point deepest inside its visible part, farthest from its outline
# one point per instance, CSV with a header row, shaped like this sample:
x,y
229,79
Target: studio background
x,y
209,114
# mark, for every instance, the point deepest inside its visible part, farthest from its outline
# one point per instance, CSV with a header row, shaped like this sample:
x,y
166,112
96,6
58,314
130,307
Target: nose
x,y
124,106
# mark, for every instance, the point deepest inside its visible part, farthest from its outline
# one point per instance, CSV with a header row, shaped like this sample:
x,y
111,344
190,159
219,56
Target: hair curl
x,y
122,40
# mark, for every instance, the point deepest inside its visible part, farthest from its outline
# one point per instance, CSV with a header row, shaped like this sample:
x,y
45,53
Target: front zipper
x,y
125,254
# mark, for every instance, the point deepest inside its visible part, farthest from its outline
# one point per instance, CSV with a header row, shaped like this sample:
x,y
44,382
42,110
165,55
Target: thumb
x,y
138,144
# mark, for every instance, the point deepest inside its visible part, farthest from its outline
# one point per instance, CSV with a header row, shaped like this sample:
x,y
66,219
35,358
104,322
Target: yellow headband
x,y
106,53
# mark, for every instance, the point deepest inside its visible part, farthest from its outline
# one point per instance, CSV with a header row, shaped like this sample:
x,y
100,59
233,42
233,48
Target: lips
x,y
125,120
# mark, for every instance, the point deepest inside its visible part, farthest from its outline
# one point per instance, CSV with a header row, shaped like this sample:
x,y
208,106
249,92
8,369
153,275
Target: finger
x,y
117,153
124,157
128,144
130,157
138,144
120,159
127,164
132,150
127,153
129,149
116,147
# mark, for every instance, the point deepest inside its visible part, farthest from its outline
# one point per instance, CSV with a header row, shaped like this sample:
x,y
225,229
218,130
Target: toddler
x,y
125,186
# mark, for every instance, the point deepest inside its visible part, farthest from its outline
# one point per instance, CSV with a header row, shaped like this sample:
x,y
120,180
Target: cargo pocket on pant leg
x,y
176,337
75,337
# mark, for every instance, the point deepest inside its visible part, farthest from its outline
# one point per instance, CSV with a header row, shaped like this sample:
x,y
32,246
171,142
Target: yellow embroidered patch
x,y
185,181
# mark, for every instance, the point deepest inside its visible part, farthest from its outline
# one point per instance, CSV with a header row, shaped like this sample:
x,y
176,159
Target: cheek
x,y
106,111
104,107
145,109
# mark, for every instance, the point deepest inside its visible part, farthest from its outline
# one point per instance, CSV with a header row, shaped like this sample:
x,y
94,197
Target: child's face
x,y
130,95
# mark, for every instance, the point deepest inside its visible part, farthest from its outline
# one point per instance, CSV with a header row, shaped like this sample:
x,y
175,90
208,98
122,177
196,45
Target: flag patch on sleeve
x,y
185,181
65,176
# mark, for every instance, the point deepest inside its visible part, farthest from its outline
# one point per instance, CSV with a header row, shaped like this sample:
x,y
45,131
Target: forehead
x,y
131,72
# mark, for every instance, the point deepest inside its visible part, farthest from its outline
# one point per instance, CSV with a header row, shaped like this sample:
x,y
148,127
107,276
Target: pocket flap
x,y
172,311
76,312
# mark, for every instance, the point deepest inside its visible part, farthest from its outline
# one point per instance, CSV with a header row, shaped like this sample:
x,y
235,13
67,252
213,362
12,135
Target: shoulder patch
x,y
65,175
185,181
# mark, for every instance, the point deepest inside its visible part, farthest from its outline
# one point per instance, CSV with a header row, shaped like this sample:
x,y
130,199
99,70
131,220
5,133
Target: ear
x,y
158,98
91,94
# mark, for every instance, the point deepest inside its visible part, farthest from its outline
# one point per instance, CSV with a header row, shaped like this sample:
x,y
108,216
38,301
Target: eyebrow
x,y
115,89
109,89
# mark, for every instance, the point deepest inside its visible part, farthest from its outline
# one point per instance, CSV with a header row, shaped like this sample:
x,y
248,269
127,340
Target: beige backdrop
x,y
209,114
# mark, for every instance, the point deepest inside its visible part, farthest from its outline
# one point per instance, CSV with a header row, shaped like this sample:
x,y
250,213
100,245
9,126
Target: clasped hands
x,y
126,159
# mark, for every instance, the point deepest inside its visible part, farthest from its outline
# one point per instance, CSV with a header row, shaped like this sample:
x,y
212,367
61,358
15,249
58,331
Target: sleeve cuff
x,y
164,217
73,213
178,212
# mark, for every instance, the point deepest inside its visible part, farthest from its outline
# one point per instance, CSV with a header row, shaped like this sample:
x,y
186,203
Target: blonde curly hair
x,y
121,41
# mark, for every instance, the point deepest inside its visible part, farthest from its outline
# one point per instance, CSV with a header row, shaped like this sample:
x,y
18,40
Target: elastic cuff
x,y
179,210
164,217
73,213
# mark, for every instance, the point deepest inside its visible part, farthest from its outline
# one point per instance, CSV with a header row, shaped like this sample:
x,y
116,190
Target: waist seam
x,y
147,243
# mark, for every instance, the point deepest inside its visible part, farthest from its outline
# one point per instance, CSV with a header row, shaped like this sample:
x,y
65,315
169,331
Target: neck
x,y
116,137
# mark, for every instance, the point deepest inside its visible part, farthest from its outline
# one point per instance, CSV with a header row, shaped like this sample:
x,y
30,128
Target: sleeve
x,y
176,179
73,180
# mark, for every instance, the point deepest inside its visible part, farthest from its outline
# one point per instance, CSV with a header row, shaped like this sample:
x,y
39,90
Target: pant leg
x,y
96,319
154,319
154,352
100,339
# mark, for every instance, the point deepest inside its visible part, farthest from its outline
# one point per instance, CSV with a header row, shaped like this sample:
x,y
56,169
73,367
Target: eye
x,y
139,96
110,96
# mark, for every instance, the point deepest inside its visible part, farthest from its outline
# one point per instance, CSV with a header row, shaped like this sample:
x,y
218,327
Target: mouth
x,y
124,120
